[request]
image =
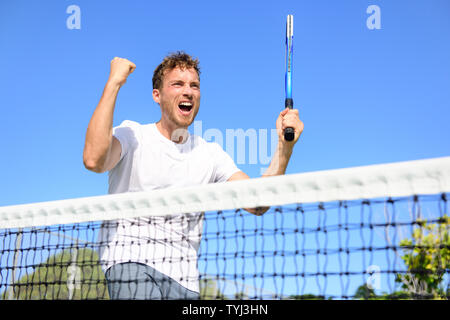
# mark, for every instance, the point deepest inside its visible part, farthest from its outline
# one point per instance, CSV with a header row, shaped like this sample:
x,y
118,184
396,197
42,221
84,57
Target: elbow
x,y
92,165
258,211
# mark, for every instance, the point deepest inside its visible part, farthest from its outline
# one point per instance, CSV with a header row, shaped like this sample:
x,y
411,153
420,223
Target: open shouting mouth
x,y
185,107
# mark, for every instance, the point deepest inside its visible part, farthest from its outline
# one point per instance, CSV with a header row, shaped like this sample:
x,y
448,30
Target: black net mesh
x,y
393,248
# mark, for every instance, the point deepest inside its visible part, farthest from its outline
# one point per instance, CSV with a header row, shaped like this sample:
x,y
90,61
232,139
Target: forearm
x,y
279,161
283,152
99,131
277,167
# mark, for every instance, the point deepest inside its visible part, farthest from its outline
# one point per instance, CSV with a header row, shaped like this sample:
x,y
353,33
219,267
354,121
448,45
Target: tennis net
x,y
373,232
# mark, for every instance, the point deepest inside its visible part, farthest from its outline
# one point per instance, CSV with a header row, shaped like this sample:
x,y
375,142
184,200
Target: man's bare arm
x,y
280,160
102,151
277,166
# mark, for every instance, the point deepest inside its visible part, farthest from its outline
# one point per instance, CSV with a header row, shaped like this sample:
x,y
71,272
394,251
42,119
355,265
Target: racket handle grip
x,y
289,133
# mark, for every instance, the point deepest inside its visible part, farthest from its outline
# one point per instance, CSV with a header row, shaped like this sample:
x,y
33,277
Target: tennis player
x,y
156,257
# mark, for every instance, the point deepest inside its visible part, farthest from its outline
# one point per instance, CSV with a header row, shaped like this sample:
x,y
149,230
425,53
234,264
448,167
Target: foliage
x,y
209,290
306,297
58,277
364,292
427,257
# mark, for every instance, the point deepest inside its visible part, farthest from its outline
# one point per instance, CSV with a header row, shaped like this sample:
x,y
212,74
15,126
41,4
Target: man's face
x,y
179,98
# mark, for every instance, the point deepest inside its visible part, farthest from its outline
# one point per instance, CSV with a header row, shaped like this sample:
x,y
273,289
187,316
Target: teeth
x,y
187,104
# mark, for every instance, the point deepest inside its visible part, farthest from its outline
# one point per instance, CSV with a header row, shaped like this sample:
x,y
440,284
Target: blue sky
x,y
365,96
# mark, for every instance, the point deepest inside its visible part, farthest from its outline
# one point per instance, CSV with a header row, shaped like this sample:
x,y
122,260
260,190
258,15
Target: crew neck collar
x,y
165,140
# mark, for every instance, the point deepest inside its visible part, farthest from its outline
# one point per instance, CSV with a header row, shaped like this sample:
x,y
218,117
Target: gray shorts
x,y
136,281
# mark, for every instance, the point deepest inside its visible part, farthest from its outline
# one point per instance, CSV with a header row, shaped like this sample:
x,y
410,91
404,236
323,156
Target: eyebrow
x,y
181,81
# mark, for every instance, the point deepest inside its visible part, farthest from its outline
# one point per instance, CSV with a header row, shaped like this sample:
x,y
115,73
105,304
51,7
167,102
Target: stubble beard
x,y
178,121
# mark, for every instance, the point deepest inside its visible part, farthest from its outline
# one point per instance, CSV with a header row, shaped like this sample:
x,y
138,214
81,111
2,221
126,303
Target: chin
x,y
184,123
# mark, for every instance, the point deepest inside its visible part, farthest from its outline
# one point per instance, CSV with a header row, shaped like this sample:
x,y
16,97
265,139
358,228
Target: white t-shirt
x,y
149,161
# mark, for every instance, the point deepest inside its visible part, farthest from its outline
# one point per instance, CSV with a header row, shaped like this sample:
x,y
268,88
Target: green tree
x,y
427,258
241,296
364,292
60,278
306,297
209,290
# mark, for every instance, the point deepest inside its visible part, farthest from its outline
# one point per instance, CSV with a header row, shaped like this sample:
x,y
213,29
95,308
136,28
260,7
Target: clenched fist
x,y
120,70
289,118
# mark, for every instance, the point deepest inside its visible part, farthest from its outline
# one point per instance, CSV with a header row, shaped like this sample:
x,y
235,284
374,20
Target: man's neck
x,y
177,135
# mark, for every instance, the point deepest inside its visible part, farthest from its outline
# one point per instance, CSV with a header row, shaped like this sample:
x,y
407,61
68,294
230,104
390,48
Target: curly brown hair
x,y
178,59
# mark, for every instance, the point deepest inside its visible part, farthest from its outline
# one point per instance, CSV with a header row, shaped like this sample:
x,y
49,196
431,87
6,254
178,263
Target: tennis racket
x,y
289,133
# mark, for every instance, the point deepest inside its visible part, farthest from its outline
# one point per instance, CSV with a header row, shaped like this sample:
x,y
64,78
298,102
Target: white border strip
x,y
430,176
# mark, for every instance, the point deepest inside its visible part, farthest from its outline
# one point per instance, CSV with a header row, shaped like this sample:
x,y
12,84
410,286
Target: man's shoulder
x,y
135,127
129,124
132,132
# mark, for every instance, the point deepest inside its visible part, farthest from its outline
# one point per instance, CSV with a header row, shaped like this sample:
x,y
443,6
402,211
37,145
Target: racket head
x,y
289,53
289,133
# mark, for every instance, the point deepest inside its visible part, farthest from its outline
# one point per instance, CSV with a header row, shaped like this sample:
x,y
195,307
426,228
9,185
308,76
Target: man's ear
x,y
155,94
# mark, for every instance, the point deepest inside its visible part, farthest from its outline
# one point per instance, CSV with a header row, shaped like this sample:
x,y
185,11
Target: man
x,y
156,257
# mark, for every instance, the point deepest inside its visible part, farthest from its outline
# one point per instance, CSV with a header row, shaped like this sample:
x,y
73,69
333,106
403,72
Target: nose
x,y
187,91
